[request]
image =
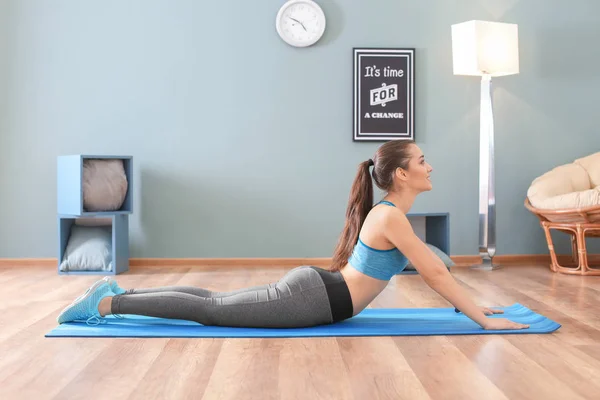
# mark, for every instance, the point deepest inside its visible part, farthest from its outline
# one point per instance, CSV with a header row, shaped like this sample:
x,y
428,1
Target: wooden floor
x,y
563,365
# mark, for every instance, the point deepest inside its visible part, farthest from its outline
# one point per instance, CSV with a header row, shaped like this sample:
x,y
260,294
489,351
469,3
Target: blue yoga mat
x,y
370,322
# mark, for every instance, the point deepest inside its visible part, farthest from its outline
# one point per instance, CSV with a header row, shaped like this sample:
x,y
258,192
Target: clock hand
x,y
298,22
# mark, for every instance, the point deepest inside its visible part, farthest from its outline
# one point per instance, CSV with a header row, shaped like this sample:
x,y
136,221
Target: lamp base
x,y
487,264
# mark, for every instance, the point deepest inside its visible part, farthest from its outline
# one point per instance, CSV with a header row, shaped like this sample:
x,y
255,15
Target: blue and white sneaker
x,y
85,293
85,307
113,285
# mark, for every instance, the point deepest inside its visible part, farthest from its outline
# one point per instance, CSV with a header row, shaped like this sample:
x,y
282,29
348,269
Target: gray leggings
x,y
305,296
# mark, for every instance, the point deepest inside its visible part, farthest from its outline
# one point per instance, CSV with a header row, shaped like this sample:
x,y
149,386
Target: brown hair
x,y
388,157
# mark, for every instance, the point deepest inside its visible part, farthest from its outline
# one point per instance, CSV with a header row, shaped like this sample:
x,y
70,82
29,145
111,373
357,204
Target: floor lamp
x,y
486,49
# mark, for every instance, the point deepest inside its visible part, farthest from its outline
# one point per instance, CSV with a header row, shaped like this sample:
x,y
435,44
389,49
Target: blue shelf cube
x,y
431,228
70,185
119,224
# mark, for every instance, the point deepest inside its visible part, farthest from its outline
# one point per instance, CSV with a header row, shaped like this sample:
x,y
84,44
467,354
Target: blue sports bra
x,y
378,264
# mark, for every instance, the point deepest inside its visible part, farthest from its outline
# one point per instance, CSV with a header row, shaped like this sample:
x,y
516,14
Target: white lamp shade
x,y
482,47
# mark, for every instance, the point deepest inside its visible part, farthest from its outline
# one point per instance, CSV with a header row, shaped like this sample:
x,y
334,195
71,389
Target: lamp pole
x,y
487,197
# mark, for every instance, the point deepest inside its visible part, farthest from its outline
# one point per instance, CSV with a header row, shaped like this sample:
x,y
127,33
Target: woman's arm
x,y
432,269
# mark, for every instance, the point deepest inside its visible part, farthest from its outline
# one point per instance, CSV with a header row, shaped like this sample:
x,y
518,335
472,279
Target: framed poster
x,y
383,95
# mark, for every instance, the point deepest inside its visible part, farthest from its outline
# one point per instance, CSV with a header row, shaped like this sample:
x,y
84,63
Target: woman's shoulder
x,y
387,217
385,211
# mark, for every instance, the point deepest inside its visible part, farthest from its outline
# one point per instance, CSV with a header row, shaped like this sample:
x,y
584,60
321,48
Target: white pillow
x,y
89,249
104,184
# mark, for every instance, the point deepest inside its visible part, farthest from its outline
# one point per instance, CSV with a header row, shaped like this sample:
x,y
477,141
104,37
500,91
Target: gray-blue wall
x,y
242,144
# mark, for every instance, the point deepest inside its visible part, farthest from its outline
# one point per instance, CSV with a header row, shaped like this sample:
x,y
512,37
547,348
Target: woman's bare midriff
x,y
363,289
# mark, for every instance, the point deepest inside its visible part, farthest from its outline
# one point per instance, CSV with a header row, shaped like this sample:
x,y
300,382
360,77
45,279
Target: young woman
x,y
375,244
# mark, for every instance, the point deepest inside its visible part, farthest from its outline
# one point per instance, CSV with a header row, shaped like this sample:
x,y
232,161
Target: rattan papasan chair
x,y
567,198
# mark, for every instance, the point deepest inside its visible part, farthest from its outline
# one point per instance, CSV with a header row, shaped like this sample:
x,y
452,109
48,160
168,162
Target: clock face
x,y
300,23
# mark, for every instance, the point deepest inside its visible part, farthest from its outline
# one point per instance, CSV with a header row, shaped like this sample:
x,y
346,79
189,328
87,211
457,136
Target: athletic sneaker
x,y
84,294
113,285
85,307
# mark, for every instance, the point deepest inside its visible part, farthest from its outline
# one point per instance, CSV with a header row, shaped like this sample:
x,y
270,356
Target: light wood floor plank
x,y
181,371
245,368
313,368
444,371
378,370
115,372
570,366
511,370
593,350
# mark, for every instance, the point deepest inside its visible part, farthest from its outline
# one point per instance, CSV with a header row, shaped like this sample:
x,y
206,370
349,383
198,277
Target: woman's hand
x,y
486,311
502,324
498,323
491,311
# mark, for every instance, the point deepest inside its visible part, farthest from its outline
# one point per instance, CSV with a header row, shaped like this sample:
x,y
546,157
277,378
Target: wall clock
x,y
300,23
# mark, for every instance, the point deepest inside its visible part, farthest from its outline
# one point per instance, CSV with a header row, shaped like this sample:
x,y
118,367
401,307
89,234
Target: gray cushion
x,y
89,249
443,256
104,184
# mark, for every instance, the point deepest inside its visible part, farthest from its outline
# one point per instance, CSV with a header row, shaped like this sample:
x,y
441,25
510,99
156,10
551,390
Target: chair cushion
x,y
591,164
569,201
568,186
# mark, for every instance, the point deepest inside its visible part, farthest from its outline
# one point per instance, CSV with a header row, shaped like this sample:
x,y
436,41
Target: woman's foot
x,y
86,306
113,285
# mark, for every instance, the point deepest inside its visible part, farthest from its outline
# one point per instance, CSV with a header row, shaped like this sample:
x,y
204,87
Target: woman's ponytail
x,y
360,203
